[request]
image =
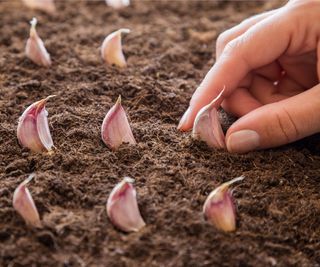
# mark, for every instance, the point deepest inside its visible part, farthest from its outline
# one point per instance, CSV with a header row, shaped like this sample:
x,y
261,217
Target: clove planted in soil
x,y
219,208
207,126
122,207
35,49
115,128
23,203
33,130
111,49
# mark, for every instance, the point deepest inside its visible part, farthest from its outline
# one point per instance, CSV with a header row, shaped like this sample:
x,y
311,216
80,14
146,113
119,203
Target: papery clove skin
x,y
35,49
122,207
47,6
207,126
117,4
219,208
23,203
111,49
115,128
33,130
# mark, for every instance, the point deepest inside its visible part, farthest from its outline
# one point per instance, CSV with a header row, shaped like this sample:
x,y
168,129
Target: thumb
x,y
276,124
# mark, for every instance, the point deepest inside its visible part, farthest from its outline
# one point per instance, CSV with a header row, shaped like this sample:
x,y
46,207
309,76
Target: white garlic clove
x,y
35,49
117,4
111,49
122,207
207,126
23,203
115,128
219,208
33,130
43,5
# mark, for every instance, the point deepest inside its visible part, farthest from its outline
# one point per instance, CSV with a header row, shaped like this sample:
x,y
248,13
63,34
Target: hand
x,y
269,67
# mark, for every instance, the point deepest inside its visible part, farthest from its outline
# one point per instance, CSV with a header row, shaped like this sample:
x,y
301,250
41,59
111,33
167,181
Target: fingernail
x,y
243,141
184,119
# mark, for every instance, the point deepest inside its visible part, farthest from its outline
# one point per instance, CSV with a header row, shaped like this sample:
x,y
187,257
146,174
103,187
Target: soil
x,y
169,50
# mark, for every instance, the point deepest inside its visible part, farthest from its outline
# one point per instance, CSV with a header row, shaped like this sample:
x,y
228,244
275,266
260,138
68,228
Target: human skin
x,y
269,65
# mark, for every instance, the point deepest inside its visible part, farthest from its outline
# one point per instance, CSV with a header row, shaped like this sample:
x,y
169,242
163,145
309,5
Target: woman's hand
x,y
270,67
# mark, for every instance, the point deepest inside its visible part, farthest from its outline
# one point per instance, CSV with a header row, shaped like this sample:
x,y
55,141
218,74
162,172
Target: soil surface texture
x,y
169,50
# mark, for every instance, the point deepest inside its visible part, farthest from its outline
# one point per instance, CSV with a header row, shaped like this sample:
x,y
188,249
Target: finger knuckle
x,y
248,21
223,39
287,125
232,47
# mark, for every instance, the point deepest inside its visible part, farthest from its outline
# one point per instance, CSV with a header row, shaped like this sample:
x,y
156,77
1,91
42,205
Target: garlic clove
x,y
111,49
122,207
23,203
115,128
207,126
43,5
33,130
117,4
43,129
219,208
35,49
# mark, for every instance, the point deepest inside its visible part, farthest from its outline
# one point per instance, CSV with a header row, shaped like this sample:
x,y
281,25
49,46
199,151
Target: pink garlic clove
x,y
115,128
219,208
33,130
117,4
207,125
122,207
23,203
35,49
111,49
43,5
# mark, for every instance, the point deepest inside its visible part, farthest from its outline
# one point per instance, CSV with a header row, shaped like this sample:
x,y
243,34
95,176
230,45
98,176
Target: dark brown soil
x,y
278,202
